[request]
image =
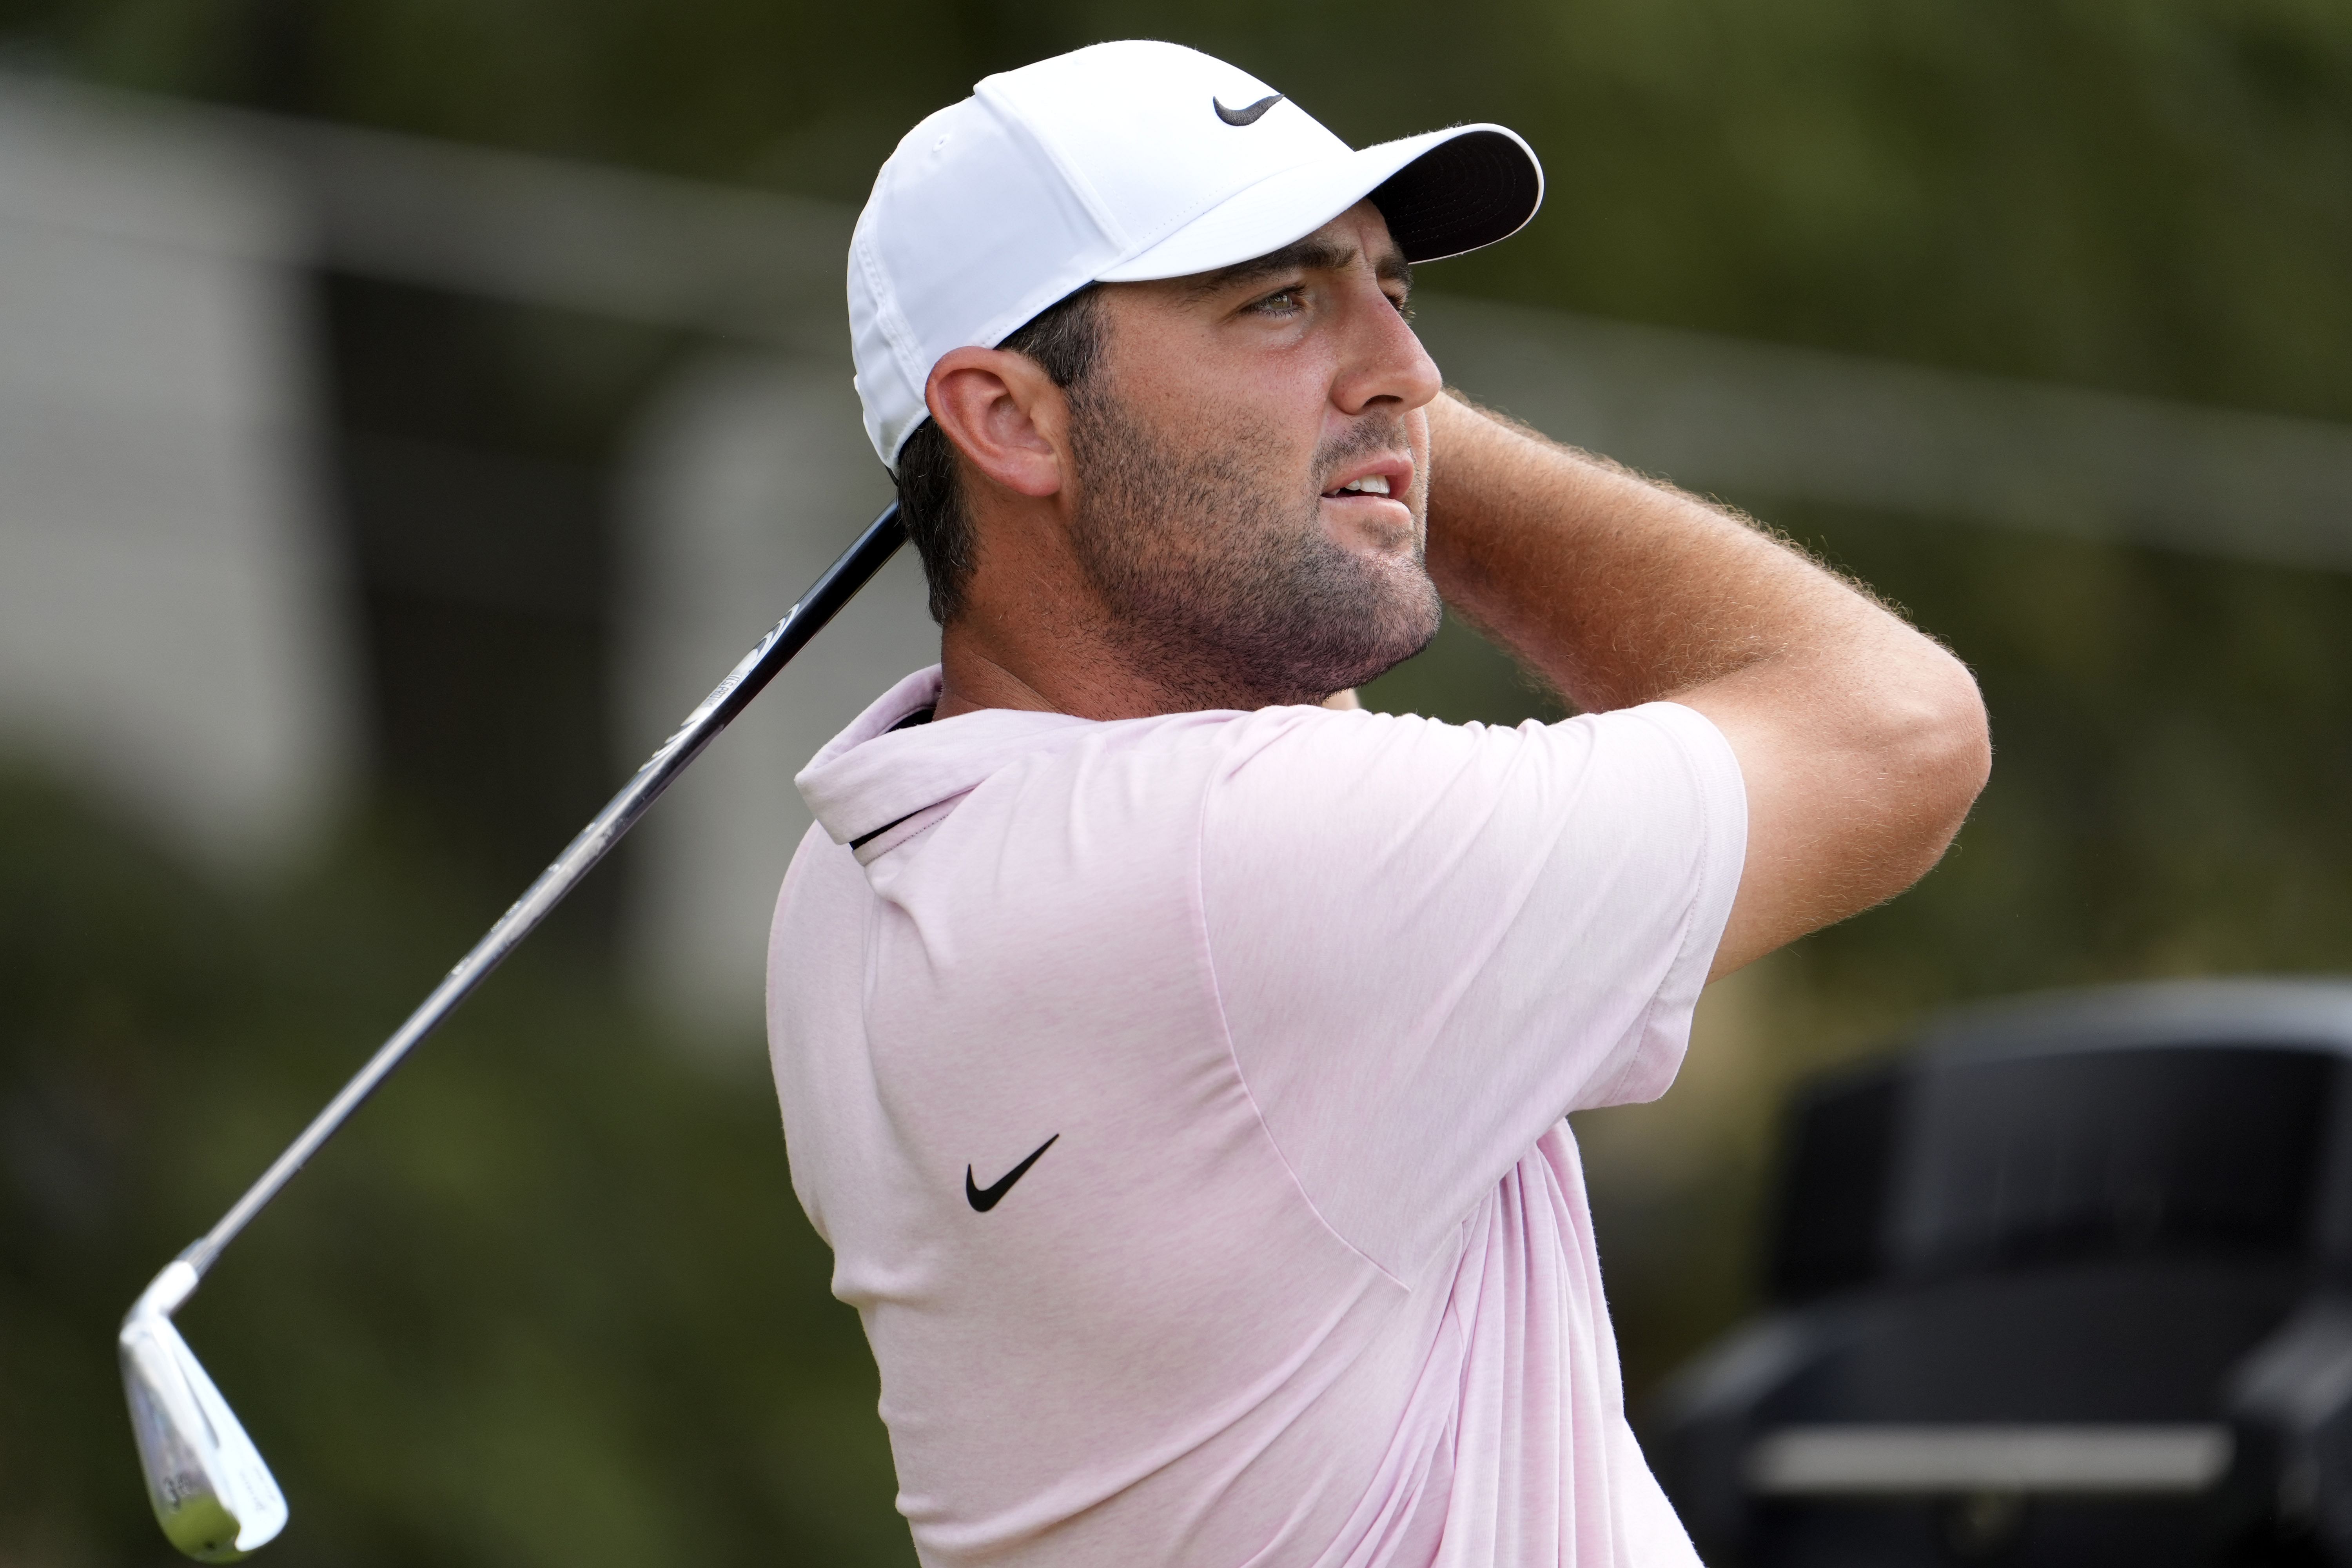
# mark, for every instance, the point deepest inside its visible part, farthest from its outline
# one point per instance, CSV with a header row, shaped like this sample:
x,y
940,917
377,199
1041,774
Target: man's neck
x,y
970,680
1094,681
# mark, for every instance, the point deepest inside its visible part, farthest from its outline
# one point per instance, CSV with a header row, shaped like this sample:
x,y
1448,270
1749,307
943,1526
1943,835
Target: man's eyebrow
x,y
1308,254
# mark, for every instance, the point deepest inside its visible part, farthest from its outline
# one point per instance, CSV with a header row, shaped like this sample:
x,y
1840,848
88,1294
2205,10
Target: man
x,y
1175,1059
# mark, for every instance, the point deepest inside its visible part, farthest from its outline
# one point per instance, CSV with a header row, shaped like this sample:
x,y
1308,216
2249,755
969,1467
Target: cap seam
x,y
896,328
1003,104
897,331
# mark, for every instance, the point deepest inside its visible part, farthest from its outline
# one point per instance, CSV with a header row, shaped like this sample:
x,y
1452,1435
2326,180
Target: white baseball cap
x,y
1117,163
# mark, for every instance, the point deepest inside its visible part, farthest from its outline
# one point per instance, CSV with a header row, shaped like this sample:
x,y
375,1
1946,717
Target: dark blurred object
x,y
2070,1283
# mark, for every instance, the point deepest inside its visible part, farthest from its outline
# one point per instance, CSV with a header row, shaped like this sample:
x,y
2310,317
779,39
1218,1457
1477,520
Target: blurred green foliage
x,y
549,1301
552,1301
2156,196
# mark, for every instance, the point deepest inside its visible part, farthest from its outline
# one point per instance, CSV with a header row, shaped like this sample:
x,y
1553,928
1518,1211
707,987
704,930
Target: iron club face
x,y
213,1495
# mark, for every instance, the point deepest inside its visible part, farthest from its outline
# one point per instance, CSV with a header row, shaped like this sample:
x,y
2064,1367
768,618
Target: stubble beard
x,y
1224,589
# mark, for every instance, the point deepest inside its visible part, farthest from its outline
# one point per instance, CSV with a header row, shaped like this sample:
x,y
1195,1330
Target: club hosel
x,y
164,1295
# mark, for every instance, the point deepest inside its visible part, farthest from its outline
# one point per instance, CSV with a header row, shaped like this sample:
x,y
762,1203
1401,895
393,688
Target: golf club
x,y
213,1495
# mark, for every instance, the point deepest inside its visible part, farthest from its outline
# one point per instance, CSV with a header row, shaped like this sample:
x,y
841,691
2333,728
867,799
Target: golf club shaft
x,y
824,598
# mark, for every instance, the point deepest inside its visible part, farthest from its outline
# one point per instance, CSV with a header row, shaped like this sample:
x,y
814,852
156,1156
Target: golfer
x,y
1174,1054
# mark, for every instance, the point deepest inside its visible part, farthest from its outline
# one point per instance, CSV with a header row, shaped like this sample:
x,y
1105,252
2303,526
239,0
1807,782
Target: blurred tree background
x,y
553,1302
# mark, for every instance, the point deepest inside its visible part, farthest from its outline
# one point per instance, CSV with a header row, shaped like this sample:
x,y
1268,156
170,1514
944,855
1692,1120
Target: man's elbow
x,y
1936,753
1858,800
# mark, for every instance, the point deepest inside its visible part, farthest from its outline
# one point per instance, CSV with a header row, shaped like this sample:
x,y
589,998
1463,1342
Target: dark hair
x,y
1064,339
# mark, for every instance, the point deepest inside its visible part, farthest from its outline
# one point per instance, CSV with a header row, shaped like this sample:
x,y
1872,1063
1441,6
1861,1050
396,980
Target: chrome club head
x,y
214,1497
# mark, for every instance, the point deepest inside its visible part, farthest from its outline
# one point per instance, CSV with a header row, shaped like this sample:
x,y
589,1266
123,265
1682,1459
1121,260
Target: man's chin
x,y
1401,627
1388,658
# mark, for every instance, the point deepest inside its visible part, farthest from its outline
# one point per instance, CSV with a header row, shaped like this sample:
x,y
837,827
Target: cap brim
x,y
1442,193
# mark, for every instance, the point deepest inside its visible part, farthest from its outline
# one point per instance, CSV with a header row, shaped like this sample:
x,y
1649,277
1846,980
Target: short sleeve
x,y
1431,941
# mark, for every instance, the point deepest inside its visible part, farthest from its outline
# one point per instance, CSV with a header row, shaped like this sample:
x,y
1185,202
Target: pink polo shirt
x,y
1182,1099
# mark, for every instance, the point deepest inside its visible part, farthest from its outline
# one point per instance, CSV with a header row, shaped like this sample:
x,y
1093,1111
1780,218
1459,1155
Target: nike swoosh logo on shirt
x,y
1245,116
983,1199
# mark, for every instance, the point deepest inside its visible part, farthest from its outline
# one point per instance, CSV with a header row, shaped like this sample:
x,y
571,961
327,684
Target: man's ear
x,y
1004,414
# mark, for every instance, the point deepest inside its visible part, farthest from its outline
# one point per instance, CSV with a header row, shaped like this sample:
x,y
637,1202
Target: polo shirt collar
x,y
871,775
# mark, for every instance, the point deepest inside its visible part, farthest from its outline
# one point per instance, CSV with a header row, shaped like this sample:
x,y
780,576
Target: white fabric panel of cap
x,y
1116,112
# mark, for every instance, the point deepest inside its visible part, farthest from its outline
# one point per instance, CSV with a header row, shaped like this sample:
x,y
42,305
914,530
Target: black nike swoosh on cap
x,y
983,1199
1249,116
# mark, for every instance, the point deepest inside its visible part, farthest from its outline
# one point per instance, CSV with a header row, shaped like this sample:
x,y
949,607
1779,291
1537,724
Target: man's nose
x,y
1384,364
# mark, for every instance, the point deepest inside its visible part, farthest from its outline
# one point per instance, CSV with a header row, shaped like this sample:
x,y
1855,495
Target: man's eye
x,y
1284,302
1403,306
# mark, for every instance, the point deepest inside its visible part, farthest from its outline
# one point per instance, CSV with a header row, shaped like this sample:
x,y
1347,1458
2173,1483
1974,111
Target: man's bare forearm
x,y
1616,589
1862,742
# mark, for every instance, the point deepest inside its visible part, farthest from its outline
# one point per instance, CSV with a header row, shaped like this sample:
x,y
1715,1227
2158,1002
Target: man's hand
x,y
1861,740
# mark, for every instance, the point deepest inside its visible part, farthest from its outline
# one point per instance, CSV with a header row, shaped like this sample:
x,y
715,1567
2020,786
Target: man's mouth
x,y
1370,490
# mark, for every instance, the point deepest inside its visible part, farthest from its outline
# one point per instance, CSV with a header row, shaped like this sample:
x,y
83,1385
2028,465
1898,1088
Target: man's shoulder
x,y
1337,766
1286,751
1342,788
1164,768
1140,758
1303,729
